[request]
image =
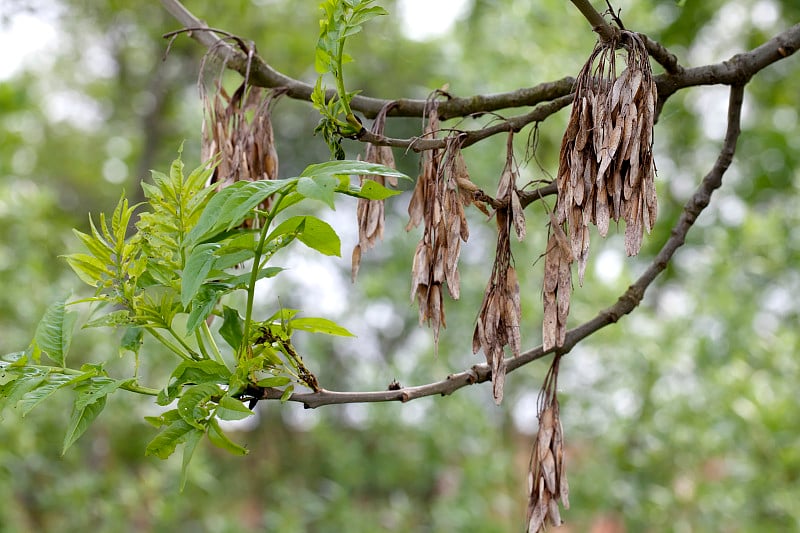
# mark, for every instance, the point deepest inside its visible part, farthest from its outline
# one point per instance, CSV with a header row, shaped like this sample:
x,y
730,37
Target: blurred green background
x,y
682,417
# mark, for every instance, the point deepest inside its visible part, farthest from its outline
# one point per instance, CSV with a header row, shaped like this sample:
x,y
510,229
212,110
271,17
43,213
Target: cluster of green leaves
x,y
168,278
342,19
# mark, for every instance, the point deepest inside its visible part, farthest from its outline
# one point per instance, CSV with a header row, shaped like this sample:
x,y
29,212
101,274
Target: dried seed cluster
x,y
547,479
438,202
246,148
606,169
371,213
498,319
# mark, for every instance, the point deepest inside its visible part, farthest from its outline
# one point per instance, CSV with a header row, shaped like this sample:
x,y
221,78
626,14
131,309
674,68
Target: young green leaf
x,y
89,269
202,305
131,340
319,325
372,190
54,332
190,443
274,381
80,420
163,445
221,440
24,382
114,319
232,329
349,168
320,188
46,388
312,232
198,265
193,372
243,280
232,409
287,393
95,388
193,404
230,206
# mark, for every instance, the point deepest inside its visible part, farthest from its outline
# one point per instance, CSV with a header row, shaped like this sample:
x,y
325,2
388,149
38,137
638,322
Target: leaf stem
x,y
139,389
200,343
251,286
214,348
163,340
339,75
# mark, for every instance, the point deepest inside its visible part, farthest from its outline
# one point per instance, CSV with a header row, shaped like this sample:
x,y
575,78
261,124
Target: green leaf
x,y
50,385
372,190
243,280
275,381
193,372
198,265
363,15
192,405
287,393
98,247
322,188
228,260
319,325
229,207
350,167
203,304
132,340
89,269
112,320
54,332
81,419
312,232
232,409
232,329
27,380
190,443
166,418
221,440
163,445
97,387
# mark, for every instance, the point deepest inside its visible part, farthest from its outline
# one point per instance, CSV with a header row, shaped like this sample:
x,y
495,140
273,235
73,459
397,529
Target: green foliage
x,y
181,260
342,18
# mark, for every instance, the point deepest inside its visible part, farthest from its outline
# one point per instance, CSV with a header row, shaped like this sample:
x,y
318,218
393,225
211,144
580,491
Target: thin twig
x,y
624,305
663,57
417,144
599,24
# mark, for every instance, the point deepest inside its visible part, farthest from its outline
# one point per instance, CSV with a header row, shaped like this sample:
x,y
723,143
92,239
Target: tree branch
x,y
736,70
418,144
624,305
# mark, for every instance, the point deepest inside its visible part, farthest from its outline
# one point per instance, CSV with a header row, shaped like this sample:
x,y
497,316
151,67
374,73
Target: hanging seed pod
x,y
547,477
371,213
606,169
438,200
498,318
246,148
